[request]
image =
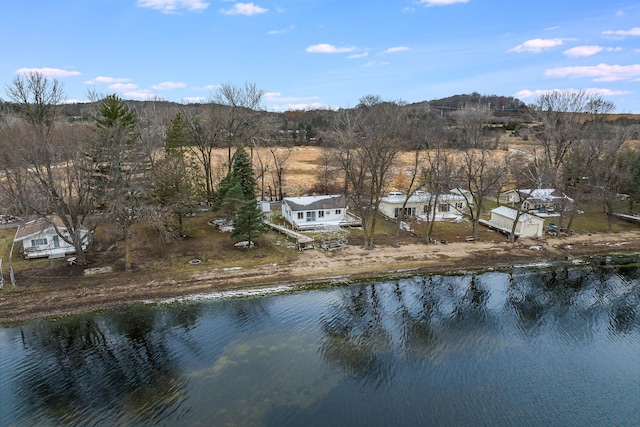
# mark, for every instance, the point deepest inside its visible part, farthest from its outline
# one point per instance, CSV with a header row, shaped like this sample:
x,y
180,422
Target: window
x,y
56,241
300,215
38,242
459,206
338,211
408,212
311,216
443,207
320,214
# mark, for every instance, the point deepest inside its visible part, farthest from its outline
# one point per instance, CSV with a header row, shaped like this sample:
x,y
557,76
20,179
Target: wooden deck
x,y
628,218
303,241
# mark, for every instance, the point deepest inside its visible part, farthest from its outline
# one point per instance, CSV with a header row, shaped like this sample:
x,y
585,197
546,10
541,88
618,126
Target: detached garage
x,y
502,219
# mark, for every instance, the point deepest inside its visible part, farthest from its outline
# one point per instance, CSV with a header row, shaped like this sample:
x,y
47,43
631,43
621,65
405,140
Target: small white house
x,y
541,202
502,219
309,212
423,205
39,238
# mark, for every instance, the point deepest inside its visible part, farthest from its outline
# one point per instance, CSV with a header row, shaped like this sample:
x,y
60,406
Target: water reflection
x,y
525,347
86,365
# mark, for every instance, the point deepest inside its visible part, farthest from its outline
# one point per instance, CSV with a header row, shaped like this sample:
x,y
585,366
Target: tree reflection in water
x,y
375,325
118,364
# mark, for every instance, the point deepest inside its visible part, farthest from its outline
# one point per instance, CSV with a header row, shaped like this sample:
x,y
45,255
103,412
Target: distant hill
x,y
494,102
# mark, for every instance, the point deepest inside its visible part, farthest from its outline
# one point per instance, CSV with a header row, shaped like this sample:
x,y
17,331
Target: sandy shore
x,y
353,263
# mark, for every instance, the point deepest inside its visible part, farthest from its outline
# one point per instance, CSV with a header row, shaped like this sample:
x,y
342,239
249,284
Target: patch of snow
x,y
229,294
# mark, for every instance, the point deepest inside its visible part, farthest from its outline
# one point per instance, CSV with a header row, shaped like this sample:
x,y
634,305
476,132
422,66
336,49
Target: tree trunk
x,y
127,250
609,206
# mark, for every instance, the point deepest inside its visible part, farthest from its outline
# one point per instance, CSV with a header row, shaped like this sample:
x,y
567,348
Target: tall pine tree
x,y
238,195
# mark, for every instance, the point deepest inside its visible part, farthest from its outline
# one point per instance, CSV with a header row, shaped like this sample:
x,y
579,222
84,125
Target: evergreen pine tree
x,y
178,135
233,199
242,168
248,223
238,191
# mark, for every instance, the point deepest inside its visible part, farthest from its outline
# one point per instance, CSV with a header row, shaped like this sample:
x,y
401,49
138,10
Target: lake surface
x,y
531,346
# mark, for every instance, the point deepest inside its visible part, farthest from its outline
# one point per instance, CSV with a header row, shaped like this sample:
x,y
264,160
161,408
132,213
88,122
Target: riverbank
x,y
62,296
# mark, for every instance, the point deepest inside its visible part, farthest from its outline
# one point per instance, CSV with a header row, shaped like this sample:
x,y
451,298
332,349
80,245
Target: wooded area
x,y
126,162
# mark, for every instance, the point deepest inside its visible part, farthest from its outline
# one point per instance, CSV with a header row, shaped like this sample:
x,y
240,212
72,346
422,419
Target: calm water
x,y
533,346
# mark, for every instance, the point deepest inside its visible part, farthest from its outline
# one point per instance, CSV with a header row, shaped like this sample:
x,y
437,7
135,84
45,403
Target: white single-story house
x,y
502,219
423,205
39,238
540,201
312,212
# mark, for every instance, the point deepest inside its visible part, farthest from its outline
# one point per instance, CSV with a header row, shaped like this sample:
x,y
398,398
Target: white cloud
x,y
599,73
620,13
528,94
408,9
375,64
247,9
48,72
281,31
121,87
302,107
396,49
358,55
206,87
580,51
328,48
193,100
622,33
142,95
537,45
106,80
172,6
291,103
277,97
442,2
168,85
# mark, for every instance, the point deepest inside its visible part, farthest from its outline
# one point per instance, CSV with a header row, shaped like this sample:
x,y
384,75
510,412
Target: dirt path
x,y
66,295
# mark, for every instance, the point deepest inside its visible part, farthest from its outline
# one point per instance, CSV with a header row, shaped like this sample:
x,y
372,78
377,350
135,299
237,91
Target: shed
x,y
502,219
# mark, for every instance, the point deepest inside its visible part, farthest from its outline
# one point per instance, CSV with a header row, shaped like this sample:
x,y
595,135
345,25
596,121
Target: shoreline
x,y
309,269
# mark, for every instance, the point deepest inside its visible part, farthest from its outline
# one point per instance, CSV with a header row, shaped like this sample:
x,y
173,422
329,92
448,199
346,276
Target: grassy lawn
x,y
205,243
157,258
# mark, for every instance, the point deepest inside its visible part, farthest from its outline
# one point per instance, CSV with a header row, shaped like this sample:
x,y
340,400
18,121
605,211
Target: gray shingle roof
x,y
312,203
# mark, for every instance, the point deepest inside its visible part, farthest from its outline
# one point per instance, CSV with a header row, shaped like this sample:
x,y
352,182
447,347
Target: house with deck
x,y
543,202
39,238
421,204
315,212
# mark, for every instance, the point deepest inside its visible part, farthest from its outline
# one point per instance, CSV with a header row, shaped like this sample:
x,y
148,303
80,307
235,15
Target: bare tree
x,y
327,175
561,115
240,116
597,163
422,132
481,172
472,121
523,174
439,171
369,143
45,169
280,155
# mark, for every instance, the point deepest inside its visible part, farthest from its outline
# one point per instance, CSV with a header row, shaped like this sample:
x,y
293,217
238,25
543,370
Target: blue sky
x,y
326,53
